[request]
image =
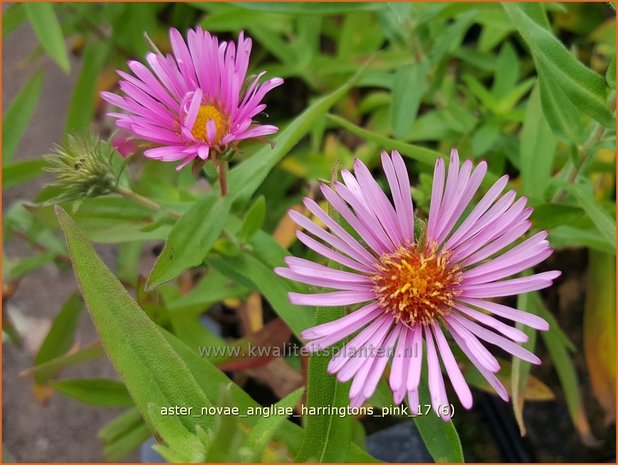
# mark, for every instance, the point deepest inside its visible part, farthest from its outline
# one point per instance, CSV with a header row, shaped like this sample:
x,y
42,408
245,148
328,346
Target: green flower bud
x,y
83,166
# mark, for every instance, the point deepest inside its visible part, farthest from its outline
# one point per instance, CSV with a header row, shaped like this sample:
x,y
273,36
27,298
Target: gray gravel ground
x,y
64,430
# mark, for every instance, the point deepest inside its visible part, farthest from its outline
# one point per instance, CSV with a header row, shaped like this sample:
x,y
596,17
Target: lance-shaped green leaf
x,y
210,378
195,233
20,172
48,31
408,90
318,8
123,434
554,340
59,339
582,86
604,222
12,17
18,114
264,430
537,148
415,152
255,270
327,437
561,114
49,369
253,220
152,371
610,76
190,239
81,108
103,392
520,370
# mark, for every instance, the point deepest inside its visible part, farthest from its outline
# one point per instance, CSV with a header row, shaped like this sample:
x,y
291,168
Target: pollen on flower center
x,y
204,115
416,285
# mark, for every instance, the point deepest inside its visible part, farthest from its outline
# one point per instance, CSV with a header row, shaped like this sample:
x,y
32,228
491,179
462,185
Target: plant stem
x,y
135,197
222,168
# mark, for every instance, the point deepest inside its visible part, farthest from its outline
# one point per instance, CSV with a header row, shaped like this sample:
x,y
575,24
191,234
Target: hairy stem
x,y
140,199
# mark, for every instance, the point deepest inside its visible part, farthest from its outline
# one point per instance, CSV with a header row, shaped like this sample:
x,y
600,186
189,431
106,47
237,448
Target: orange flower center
x,y
205,114
416,285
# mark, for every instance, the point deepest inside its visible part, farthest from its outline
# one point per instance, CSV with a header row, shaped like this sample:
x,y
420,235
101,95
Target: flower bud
x,y
83,166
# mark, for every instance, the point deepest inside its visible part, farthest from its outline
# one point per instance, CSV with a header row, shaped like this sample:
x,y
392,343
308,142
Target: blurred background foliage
x,y
528,87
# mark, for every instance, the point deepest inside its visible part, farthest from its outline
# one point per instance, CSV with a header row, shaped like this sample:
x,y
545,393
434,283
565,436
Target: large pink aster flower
x,y
413,290
195,102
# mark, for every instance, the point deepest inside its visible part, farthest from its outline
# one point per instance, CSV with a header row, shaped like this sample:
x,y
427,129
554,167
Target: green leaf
x,y
81,108
210,378
537,149
151,369
48,31
604,222
96,391
439,436
255,273
195,233
567,374
18,114
264,430
120,425
561,114
113,219
247,177
569,236
123,434
360,34
408,90
506,72
17,173
415,152
485,137
59,339
582,86
49,369
600,330
318,8
327,437
190,239
530,302
253,220
611,72
12,18
128,261
212,288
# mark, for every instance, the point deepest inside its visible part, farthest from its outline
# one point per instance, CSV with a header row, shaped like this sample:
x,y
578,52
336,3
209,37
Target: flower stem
x,y
135,197
222,166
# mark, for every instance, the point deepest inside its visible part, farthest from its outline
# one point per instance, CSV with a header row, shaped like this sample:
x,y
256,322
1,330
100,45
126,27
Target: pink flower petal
x,y
452,369
439,400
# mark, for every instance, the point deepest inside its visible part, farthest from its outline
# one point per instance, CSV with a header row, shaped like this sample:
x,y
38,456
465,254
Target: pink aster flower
x,y
414,291
196,102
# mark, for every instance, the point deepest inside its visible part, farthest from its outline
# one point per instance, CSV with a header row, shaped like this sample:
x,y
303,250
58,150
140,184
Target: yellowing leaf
x,y
600,330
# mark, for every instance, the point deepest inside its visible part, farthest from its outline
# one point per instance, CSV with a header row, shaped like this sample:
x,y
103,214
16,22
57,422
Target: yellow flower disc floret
x,y
204,114
416,286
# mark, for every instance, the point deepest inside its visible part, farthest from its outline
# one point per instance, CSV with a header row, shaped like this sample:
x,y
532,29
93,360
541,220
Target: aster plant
x,y
196,103
413,285
415,288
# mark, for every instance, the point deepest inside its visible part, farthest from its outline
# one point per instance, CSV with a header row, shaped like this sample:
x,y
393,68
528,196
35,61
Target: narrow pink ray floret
x,y
196,102
414,291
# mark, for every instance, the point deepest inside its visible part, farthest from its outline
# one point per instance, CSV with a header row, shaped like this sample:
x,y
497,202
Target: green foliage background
x,y
528,87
